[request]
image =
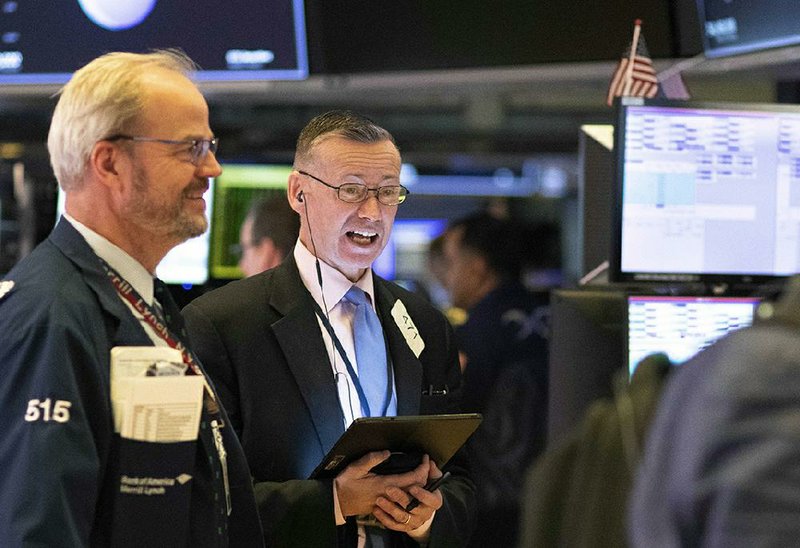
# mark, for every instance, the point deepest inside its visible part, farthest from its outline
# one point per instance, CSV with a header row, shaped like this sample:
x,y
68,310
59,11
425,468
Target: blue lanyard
x,y
362,397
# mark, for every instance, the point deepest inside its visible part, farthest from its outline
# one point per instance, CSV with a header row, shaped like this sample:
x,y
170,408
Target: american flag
x,y
643,79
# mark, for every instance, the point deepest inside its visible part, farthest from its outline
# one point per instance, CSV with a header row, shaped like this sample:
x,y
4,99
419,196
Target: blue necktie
x,y
373,374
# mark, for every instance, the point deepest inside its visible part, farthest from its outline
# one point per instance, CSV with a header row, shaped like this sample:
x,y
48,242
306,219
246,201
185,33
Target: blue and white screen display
x,y
405,255
709,191
680,327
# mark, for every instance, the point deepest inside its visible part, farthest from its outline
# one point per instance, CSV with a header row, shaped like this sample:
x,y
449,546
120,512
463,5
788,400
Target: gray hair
x,y
100,100
340,123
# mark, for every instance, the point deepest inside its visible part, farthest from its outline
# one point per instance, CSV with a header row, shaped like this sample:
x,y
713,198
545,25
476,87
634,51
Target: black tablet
x,y
407,437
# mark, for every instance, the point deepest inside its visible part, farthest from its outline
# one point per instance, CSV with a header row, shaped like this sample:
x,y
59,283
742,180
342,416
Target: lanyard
x,y
362,397
127,292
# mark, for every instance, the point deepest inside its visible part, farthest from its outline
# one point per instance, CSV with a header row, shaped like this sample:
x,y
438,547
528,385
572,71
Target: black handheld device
x,y
432,486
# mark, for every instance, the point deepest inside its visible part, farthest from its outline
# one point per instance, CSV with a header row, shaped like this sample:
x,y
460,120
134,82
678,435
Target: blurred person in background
x,y
504,354
722,458
267,235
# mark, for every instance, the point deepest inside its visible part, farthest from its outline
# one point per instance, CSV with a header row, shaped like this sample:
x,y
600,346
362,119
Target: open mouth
x,y
195,194
362,237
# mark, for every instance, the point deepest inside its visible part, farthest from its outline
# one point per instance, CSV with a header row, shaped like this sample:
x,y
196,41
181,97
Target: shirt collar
x,y
334,283
126,266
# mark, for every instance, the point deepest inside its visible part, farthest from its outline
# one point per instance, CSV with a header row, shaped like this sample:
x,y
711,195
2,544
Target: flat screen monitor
x,y
186,264
405,256
233,40
236,189
680,327
706,192
743,26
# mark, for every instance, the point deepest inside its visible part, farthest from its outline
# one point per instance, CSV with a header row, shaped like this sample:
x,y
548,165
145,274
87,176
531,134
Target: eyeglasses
x,y
198,148
354,193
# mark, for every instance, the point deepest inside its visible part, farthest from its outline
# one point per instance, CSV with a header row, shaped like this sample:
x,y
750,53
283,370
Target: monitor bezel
x,y
616,274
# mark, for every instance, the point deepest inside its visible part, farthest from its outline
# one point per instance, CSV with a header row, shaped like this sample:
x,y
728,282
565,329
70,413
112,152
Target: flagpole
x,y
637,26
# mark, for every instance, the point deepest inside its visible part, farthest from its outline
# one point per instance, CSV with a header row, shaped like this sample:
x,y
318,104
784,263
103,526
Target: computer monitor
x,y
680,327
731,28
236,189
706,192
186,264
234,40
405,256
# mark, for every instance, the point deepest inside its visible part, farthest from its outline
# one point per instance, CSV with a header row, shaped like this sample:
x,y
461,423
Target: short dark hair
x,y
273,218
343,123
496,240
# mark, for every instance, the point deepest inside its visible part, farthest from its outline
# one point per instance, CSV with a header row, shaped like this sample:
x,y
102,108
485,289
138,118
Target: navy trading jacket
x,y
59,457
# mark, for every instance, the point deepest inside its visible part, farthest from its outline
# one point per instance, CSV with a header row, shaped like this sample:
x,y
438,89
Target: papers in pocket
x,y
152,398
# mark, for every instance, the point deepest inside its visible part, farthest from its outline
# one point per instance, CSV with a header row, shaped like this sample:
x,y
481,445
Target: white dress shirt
x,y
126,266
340,315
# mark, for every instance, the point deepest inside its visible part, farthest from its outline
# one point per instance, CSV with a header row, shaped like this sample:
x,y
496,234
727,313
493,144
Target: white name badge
x,y
407,328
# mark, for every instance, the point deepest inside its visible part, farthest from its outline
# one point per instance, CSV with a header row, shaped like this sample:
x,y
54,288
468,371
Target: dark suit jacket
x,y
57,327
261,343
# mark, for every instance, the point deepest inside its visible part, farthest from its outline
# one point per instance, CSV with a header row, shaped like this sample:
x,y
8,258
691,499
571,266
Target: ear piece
x,y
300,196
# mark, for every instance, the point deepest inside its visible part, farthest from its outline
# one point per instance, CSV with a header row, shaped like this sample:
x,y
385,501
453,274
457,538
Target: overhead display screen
x,y
740,26
234,40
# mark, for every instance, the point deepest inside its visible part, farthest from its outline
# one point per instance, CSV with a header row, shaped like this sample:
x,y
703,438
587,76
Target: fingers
x,y
432,500
434,471
395,518
417,476
369,461
391,508
357,488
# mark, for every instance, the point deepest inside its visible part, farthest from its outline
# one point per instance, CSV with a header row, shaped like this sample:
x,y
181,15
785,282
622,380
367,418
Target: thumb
x,y
370,460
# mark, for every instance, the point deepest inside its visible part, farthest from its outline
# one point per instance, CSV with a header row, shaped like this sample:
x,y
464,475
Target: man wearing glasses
x,y
131,147
286,348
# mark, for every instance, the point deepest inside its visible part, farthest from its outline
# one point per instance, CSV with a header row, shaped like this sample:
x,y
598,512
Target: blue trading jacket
x,y
59,458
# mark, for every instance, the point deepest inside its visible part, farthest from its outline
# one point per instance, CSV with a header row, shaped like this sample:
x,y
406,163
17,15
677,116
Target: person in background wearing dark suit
x,y
282,349
131,147
504,353
267,235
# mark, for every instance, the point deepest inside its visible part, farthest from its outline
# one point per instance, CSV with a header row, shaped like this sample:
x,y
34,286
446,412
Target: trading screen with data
x,y
680,327
708,191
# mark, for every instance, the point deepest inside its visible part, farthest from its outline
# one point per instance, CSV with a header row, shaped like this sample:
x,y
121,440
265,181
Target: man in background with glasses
x,y
286,352
131,147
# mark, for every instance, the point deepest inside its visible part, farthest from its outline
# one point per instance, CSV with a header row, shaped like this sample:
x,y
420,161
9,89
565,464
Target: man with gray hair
x,y
131,147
